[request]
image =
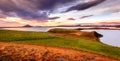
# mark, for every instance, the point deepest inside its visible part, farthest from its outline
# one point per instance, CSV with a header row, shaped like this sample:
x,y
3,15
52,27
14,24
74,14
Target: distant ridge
x,y
27,25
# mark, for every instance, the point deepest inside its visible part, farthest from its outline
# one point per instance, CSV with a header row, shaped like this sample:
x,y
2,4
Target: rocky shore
x,y
94,36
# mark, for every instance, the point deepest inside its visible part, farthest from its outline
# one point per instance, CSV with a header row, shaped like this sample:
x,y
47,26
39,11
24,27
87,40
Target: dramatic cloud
x,y
85,16
40,9
58,12
6,24
29,9
53,18
71,19
84,6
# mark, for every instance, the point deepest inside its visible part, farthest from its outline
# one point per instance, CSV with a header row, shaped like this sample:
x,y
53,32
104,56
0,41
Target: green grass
x,y
42,38
60,30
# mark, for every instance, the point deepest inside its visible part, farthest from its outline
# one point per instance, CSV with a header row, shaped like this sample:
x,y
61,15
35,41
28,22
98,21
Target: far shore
x,y
97,28
79,28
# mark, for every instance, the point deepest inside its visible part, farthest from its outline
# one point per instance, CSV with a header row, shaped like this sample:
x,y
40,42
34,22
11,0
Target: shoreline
x,y
97,29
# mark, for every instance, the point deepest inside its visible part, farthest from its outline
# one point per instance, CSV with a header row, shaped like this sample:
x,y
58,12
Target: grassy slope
x,y
41,38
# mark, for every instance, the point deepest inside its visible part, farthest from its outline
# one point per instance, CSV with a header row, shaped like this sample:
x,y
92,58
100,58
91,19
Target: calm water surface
x,y
110,37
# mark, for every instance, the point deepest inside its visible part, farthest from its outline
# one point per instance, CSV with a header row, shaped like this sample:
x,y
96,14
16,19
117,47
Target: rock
x,y
97,35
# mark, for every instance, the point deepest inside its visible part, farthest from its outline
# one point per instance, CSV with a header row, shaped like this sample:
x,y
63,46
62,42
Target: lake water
x,y
110,37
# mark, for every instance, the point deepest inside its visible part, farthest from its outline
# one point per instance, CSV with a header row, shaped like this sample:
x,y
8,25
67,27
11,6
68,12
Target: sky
x,y
58,12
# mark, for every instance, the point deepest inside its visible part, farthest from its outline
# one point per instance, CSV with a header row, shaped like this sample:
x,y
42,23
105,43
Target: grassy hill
x,y
44,38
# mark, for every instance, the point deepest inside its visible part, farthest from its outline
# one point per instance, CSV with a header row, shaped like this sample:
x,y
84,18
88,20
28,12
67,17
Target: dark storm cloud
x,y
53,18
38,9
29,9
49,4
86,16
84,6
71,19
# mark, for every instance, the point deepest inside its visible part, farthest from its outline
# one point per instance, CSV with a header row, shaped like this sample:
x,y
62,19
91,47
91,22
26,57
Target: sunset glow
x,y
69,12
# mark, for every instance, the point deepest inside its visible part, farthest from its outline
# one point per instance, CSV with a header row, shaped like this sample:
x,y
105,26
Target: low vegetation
x,y
60,30
93,36
48,39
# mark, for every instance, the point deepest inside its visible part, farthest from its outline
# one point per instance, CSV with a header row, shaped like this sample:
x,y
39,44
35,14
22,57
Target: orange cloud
x,y
19,21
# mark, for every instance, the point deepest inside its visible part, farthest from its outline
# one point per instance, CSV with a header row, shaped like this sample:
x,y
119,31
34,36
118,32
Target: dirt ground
x,y
23,52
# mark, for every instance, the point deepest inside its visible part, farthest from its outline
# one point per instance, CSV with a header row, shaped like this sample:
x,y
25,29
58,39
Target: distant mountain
x,y
103,24
27,25
110,23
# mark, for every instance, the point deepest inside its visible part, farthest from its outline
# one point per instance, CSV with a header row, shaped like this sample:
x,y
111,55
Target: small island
x,y
27,25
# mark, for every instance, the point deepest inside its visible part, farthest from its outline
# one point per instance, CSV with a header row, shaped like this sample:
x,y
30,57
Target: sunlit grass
x,y
44,38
